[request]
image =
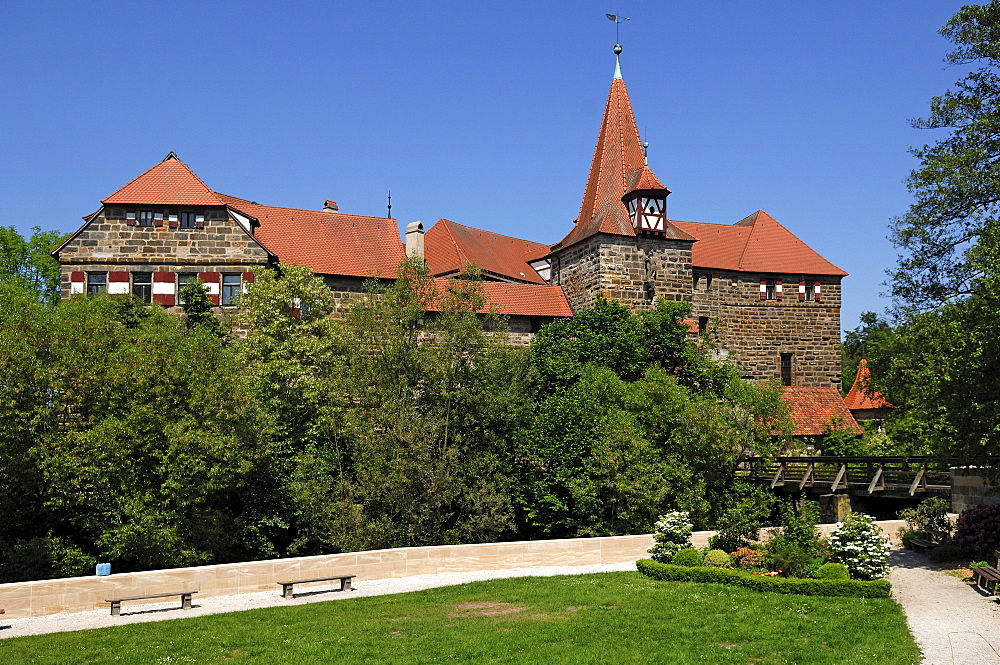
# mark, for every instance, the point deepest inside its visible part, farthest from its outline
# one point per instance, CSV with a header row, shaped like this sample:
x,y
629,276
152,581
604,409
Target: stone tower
x,y
622,246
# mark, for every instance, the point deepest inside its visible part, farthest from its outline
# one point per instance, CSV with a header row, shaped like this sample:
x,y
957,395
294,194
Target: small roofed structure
x,y
864,402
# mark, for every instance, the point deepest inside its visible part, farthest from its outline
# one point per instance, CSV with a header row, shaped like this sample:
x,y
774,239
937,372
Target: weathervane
x,y
390,204
617,19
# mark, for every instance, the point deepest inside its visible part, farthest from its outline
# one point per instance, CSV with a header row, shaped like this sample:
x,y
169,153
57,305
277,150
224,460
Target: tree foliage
x,y
951,234
26,261
937,361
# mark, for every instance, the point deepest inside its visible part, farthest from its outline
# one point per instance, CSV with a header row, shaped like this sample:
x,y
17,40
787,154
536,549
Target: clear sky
x,y
484,112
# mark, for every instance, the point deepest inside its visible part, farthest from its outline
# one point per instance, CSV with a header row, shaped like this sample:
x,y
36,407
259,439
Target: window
x,y
187,220
142,286
769,290
810,290
183,279
231,288
145,218
534,324
786,369
97,282
702,324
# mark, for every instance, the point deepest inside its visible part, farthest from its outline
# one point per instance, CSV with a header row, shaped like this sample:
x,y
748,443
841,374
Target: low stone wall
x,y
75,594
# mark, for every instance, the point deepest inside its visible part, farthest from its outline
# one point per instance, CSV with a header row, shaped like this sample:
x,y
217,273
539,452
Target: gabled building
x,y
772,302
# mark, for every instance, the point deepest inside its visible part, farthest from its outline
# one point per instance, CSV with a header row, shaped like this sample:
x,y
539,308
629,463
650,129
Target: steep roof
x,y
170,182
756,243
448,247
861,396
521,299
330,243
811,408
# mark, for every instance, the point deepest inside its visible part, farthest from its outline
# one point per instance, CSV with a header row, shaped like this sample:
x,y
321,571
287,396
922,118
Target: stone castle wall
x,y
752,332
633,271
756,332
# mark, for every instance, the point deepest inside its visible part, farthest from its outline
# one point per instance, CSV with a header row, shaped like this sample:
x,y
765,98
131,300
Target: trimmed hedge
x,y
790,585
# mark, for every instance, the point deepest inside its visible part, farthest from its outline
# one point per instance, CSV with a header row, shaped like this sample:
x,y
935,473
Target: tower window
x,y
810,291
145,218
769,293
786,369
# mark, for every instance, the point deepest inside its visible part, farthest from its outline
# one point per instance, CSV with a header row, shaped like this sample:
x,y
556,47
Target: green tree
x,y
27,261
133,441
938,363
951,234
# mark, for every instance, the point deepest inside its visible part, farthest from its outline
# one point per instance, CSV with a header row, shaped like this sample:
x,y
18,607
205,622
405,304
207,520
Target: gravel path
x,y
66,621
953,623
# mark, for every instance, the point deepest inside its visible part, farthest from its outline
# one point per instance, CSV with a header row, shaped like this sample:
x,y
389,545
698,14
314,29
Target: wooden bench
x,y
922,545
116,603
345,583
986,578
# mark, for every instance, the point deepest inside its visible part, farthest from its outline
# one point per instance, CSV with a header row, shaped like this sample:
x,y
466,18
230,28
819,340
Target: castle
x,y
772,302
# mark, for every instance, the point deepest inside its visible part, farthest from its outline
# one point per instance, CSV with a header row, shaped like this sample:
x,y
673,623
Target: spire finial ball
x,y
618,49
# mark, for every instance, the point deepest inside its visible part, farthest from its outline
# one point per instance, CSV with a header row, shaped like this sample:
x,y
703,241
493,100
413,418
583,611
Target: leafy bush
x,y
948,553
978,530
979,564
687,557
746,557
930,515
671,534
763,582
859,544
792,550
833,571
718,559
742,518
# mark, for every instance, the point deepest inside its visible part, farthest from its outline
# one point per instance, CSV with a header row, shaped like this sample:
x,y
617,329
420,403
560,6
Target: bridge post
x,y
834,507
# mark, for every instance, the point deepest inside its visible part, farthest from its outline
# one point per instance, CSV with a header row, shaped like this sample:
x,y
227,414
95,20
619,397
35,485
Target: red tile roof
x,y
330,243
449,247
812,408
618,156
521,299
757,243
169,182
861,396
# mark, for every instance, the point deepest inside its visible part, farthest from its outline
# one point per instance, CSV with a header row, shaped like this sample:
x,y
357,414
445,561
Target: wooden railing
x,y
860,475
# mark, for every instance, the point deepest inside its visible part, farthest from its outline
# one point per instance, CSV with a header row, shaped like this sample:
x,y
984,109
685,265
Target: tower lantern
x,y
646,199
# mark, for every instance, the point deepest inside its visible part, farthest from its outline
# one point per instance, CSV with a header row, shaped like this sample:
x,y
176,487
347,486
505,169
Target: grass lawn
x,y
602,618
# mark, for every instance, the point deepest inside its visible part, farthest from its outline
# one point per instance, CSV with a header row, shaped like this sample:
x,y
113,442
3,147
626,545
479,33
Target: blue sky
x,y
485,113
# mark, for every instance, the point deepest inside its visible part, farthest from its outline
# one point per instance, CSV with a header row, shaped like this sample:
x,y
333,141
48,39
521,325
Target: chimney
x,y
415,239
330,206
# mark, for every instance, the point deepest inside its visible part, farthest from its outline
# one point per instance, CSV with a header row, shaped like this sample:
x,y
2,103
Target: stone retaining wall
x,y
75,594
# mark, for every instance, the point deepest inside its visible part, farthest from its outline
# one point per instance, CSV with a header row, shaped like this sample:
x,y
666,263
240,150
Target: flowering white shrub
x,y
671,534
859,544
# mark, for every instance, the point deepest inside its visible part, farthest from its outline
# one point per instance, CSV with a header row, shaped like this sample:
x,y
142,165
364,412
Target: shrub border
x,y
788,585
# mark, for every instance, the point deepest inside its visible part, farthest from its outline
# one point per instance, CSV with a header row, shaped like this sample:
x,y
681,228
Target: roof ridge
x,y
752,225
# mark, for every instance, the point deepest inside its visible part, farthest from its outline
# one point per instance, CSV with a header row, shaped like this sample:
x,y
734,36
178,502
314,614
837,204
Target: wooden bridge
x,y
889,477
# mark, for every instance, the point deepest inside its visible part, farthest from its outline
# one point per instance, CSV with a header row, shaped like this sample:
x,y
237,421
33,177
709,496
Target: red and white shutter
x,y
777,289
802,290
118,283
763,289
77,282
164,289
213,281
247,278
816,293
